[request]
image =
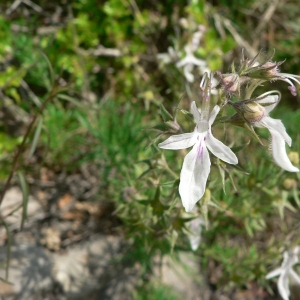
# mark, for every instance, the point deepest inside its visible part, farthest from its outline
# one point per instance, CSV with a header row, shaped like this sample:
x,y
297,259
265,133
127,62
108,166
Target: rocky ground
x,y
54,258
70,249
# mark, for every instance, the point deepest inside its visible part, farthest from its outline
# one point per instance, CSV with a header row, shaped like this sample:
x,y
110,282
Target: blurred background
x,y
90,204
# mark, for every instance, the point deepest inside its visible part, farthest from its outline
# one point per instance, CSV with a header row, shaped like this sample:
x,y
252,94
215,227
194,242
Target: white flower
x,y
197,36
169,57
195,228
278,133
196,165
289,259
188,63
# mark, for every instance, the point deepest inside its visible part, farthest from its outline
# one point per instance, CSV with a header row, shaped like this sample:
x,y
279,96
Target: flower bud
x,y
293,90
294,157
289,183
253,112
271,68
230,83
268,70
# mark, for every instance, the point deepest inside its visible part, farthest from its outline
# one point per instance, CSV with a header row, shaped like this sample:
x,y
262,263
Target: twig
x,y
19,114
31,94
17,3
13,7
75,238
266,17
22,146
238,38
102,51
33,5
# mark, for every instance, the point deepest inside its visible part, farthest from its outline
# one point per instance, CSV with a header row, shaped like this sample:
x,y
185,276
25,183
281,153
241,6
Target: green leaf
x,y
50,70
165,114
36,137
25,192
174,236
222,173
187,113
240,147
160,128
253,133
296,197
71,100
205,201
8,252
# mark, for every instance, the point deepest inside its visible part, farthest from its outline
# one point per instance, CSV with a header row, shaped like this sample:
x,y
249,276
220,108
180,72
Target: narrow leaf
x,y
25,192
253,133
160,128
50,69
37,134
165,114
239,148
222,173
71,100
296,197
154,141
204,206
187,113
174,236
8,252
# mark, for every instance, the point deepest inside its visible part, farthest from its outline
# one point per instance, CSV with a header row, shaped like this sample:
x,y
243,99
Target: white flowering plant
x,y
223,168
251,112
218,107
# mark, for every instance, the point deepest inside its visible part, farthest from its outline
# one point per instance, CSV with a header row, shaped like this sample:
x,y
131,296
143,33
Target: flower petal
x,y
269,99
213,115
182,62
220,150
193,176
187,70
180,141
277,125
283,286
279,152
274,273
195,227
195,112
295,276
197,62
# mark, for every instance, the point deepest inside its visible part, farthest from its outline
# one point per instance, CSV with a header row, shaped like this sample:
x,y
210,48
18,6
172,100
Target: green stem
x,y
22,146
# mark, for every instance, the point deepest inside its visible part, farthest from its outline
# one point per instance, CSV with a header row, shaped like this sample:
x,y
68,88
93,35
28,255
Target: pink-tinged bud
x,y
230,83
271,68
253,112
268,71
293,90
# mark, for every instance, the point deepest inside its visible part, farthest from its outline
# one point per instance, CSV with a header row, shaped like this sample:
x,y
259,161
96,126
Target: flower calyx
x,y
268,71
251,110
231,83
